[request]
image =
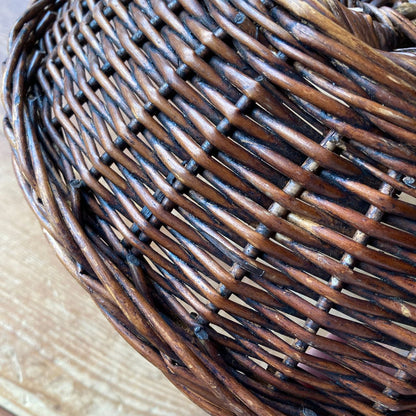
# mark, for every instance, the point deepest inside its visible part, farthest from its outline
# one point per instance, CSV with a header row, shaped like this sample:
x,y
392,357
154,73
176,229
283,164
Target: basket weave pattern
x,y
233,183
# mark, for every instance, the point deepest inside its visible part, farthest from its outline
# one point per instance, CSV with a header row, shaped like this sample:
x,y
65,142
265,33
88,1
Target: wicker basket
x,y
233,183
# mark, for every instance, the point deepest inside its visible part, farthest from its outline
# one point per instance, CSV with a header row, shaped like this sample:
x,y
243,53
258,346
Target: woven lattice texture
x,y
233,182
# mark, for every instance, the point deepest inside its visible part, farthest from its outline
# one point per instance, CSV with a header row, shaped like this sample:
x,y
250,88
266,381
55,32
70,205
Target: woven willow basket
x,y
233,183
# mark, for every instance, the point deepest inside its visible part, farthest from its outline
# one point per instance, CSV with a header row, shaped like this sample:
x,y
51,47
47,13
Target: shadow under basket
x,y
233,182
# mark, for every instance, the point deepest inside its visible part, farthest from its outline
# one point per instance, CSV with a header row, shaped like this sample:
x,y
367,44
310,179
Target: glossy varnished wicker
x,y
233,182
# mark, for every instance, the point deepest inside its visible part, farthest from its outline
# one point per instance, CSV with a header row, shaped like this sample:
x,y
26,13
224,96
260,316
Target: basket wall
x,y
233,183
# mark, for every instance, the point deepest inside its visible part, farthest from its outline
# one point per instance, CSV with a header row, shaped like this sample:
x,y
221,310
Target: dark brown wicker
x,y
233,181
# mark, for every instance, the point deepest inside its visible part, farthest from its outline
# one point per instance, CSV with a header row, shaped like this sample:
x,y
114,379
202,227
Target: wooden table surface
x,y
58,354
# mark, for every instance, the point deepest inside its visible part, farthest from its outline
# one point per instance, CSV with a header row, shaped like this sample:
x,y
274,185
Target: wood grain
x,y
58,354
